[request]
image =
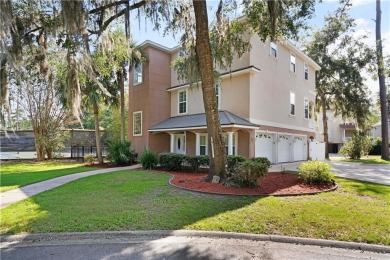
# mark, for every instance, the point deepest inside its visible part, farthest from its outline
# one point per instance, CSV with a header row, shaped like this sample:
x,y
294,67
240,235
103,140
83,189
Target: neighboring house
x,y
266,104
376,131
339,131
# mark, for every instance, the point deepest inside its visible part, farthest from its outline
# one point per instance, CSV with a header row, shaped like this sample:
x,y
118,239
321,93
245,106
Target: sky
x,y
363,11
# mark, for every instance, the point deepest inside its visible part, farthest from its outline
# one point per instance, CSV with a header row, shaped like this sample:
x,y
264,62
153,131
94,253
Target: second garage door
x,y
299,148
283,148
265,146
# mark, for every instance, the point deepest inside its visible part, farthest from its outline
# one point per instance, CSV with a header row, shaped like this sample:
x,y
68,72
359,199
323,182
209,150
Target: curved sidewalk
x,y
16,195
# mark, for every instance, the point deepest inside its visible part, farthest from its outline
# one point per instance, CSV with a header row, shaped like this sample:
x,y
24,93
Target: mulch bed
x,y
276,183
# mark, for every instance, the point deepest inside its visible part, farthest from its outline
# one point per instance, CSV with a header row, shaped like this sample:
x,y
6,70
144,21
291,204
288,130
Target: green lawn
x,y
371,159
141,200
13,176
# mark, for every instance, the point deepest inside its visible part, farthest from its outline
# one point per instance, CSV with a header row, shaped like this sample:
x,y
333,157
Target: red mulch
x,y
272,184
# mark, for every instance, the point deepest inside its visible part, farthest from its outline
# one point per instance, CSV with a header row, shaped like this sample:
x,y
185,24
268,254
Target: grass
x,y
141,200
16,175
371,159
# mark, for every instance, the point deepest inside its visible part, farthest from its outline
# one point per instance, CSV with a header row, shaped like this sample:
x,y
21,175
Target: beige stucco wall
x,y
270,88
335,132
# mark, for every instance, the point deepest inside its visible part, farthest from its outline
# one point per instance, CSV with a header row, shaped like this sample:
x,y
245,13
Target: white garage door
x,y
264,146
299,148
283,148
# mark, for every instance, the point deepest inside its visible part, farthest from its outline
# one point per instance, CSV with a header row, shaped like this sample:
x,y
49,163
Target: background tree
x,y
339,83
382,85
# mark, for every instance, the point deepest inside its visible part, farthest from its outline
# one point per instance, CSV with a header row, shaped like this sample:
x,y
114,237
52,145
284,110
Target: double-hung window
x,y
292,63
203,144
218,95
182,102
292,103
307,108
233,143
306,72
137,123
137,74
273,50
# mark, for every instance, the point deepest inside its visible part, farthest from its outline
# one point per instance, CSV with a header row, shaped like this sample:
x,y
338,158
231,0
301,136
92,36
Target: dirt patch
x,y
274,183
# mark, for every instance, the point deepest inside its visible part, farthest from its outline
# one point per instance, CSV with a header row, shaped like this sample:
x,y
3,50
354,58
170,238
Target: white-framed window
x,y
273,49
182,95
137,123
218,95
306,72
292,62
311,110
292,103
307,108
203,144
137,74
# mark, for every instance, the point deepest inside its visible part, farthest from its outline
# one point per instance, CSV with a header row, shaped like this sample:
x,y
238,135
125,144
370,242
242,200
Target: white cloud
x,y
356,3
360,22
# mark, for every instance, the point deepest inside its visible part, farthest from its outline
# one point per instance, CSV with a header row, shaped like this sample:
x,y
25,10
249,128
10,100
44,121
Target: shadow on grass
x,y
362,187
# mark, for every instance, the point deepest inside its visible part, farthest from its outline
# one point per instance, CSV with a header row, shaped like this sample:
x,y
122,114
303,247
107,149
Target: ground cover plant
x,y
143,200
15,175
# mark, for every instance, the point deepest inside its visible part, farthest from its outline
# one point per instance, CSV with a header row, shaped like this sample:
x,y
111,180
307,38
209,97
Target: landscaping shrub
x,y
315,172
263,160
233,161
195,161
171,161
357,146
119,153
89,158
248,172
149,160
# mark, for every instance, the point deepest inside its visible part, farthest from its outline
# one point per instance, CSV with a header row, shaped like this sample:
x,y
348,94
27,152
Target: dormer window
x,y
292,63
273,50
137,74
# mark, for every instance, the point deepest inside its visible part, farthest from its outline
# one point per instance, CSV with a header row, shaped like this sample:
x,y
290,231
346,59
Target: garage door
x,y
283,148
299,148
264,146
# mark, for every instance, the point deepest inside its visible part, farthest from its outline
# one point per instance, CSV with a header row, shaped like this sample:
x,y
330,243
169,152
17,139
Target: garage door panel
x,y
299,148
284,148
264,146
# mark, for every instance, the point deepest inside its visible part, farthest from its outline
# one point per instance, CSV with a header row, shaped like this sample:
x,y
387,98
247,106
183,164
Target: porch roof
x,y
198,121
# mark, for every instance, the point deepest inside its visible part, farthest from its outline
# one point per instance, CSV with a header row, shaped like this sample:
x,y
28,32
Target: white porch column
x,y
343,135
197,143
230,143
172,147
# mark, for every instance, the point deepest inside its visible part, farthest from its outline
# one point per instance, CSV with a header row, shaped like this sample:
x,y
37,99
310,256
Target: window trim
x,y
134,113
292,92
134,75
206,143
306,102
295,63
305,66
276,50
218,87
178,102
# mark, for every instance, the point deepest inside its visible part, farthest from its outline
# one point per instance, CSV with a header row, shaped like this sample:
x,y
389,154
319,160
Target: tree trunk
x,y
49,153
97,133
39,148
216,142
121,81
325,126
382,85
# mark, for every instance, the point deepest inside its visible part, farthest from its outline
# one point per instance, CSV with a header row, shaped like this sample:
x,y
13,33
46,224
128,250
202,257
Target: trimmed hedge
x,y
315,172
195,161
233,161
171,161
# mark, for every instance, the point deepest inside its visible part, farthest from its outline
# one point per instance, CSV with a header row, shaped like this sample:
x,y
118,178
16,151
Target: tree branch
x,y
112,18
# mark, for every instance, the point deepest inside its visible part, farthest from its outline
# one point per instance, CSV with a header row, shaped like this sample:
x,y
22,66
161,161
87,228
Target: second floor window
x,y
310,110
137,74
306,72
307,108
137,123
183,102
292,63
218,95
273,50
292,103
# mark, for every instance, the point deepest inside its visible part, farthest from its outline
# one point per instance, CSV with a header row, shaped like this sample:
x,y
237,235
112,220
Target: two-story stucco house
x,y
266,104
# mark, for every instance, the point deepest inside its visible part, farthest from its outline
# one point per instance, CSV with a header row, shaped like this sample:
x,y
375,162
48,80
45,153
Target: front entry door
x,y
180,143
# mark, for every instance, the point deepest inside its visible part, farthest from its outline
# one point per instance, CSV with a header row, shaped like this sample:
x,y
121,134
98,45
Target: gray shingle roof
x,y
199,120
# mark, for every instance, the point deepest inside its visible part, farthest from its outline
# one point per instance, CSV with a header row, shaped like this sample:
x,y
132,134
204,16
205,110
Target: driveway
x,y
377,173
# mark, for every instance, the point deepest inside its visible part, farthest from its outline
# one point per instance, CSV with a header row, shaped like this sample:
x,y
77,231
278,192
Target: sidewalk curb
x,y
51,237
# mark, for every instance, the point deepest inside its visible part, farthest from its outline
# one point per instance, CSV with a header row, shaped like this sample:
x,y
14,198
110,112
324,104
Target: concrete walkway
x,y
16,195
